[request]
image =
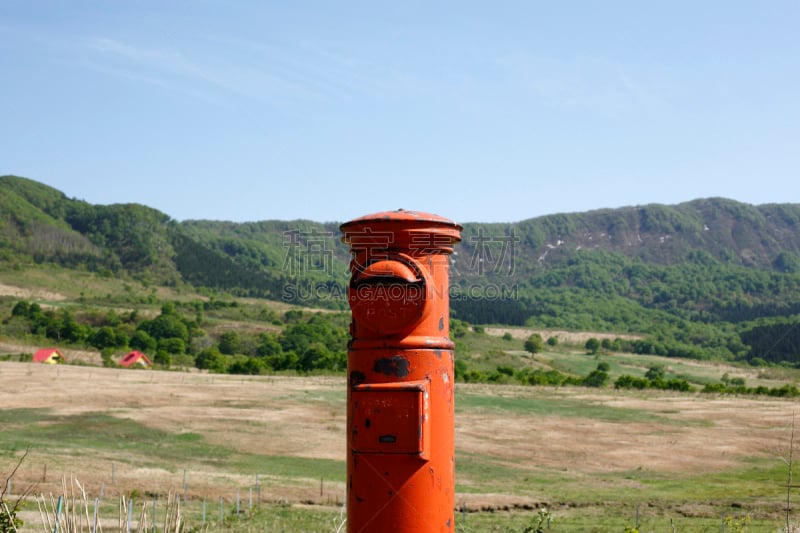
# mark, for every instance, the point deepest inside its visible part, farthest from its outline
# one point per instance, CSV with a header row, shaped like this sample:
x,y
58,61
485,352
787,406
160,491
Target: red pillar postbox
x,y
400,411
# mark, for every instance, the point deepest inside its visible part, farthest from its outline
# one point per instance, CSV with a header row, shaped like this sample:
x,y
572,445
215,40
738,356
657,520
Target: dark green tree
x,y
596,378
21,309
655,372
534,343
143,342
166,326
210,359
72,330
283,360
230,342
316,356
172,345
460,369
163,358
268,345
592,345
248,366
104,337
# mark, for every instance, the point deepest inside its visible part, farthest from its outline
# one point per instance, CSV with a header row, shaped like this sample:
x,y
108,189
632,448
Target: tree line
x,y
305,341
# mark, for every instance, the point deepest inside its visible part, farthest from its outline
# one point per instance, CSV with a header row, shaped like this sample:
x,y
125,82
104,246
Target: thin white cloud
x,y
590,84
322,71
157,81
171,69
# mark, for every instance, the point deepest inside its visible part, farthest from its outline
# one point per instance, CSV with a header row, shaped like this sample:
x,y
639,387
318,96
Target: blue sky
x,y
477,111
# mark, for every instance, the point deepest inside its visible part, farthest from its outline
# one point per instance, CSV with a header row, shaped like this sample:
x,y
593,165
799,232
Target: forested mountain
x,y
697,277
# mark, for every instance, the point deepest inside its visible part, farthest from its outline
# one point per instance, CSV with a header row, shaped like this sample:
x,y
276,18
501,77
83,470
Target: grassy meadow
x,y
596,459
267,452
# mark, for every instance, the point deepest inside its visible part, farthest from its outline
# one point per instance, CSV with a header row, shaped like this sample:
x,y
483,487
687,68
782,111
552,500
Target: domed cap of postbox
x,y
411,231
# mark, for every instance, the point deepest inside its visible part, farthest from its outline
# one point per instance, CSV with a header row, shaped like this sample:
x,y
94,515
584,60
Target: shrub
x,y
107,356
21,309
596,378
534,343
229,342
248,366
679,385
474,376
210,359
655,372
631,382
507,370
592,346
172,345
9,521
162,358
460,369
542,377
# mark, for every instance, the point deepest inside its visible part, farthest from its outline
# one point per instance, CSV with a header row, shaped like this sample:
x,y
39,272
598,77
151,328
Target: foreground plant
x,y
541,521
9,521
73,513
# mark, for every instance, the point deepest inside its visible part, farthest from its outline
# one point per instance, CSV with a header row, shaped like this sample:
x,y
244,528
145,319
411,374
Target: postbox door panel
x,y
391,418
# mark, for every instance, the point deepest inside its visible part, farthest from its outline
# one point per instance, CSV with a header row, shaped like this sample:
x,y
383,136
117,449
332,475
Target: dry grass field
x,y
517,447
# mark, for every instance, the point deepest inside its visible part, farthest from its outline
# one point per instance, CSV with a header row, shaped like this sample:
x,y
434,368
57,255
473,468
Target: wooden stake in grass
x,y
94,522
129,517
59,508
122,511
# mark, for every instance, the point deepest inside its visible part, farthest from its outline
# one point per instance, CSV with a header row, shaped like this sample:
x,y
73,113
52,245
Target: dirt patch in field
x,y
569,337
305,418
700,435
25,293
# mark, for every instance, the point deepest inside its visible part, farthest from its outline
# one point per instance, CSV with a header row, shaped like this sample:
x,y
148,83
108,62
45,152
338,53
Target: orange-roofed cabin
x,y
50,356
135,359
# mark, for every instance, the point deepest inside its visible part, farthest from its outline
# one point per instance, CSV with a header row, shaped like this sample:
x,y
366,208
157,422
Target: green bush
x,y
592,346
534,343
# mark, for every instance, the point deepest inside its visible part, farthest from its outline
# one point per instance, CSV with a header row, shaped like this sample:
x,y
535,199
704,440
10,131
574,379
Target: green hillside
x,y
711,278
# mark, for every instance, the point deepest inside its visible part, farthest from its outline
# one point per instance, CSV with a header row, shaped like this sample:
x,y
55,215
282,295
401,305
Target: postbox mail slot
x,y
391,418
388,296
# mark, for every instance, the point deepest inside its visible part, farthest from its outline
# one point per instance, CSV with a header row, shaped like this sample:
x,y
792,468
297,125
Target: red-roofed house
x,y
135,358
50,356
